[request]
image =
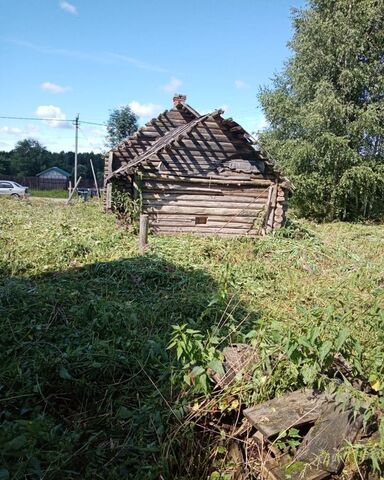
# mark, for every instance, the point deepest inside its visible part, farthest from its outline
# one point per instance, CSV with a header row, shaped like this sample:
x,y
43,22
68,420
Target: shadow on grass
x,y
84,367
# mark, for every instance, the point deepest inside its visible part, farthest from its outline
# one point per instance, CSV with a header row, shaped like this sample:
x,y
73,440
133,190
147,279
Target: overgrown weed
x,y
88,387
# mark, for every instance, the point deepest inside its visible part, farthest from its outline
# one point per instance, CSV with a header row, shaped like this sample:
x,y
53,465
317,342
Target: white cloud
x,y
99,57
145,109
241,84
173,84
68,7
11,130
134,61
54,88
54,114
11,135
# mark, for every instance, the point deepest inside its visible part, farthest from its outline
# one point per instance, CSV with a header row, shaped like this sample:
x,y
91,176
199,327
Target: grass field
x,y
88,387
49,193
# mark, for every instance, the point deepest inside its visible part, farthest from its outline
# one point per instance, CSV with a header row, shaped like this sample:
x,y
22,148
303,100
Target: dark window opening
x,y
201,220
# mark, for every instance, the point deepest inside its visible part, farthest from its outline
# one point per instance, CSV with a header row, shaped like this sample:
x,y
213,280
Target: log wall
x,y
205,206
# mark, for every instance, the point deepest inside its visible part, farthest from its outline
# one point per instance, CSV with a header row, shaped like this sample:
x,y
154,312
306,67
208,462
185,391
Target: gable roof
x,y
54,169
161,134
165,141
136,137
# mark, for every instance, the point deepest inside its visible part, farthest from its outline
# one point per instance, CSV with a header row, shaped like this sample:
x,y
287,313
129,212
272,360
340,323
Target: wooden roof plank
x,y
295,408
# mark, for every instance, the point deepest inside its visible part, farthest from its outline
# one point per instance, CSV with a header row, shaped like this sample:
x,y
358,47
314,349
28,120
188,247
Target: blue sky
x,y
60,58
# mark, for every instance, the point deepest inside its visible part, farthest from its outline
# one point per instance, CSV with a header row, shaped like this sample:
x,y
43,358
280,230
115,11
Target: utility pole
x,y
76,144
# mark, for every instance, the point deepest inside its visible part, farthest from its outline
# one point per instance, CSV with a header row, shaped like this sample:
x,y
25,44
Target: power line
x,y
51,120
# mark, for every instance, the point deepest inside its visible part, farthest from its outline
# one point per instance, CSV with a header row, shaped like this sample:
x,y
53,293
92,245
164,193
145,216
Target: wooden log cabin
x,y
199,174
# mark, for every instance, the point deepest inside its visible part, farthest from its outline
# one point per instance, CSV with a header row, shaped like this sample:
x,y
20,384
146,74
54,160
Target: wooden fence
x,y
40,183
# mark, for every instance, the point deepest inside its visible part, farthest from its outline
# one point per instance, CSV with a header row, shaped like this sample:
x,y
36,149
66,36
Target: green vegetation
x,y
326,110
30,157
49,193
122,123
102,351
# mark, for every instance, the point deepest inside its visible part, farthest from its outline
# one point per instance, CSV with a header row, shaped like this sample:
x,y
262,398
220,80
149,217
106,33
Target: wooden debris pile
x,y
299,435
330,423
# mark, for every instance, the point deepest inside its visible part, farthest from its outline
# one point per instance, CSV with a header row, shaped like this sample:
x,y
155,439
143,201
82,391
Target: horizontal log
x,y
254,203
207,190
211,179
185,189
223,224
201,228
218,198
172,217
248,212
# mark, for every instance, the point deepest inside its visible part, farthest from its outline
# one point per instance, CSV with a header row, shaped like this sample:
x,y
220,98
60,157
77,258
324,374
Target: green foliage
x,y
88,386
126,208
30,157
326,110
49,193
121,124
197,353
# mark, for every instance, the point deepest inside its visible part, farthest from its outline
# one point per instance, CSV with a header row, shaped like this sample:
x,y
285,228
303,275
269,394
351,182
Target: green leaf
x,y
343,335
16,443
123,413
324,350
64,374
217,366
196,371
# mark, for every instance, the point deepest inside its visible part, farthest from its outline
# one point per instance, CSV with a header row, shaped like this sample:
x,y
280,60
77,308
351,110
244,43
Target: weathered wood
x,y
203,181
238,361
143,233
207,211
271,214
164,217
73,191
158,203
208,225
150,195
290,410
206,190
204,229
333,429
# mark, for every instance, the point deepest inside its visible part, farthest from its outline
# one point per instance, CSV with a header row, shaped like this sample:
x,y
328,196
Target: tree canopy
x,y
121,124
30,157
326,110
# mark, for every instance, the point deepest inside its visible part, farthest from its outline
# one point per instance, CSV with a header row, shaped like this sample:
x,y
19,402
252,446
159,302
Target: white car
x,y
12,189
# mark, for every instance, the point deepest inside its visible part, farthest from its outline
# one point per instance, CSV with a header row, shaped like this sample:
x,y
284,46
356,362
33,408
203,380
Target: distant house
x,y
198,173
54,173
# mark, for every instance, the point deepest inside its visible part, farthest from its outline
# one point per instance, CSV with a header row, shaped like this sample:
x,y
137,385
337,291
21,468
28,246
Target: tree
x,y
29,157
326,110
5,163
121,124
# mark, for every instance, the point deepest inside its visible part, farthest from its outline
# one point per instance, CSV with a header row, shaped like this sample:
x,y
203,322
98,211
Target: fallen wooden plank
x,y
337,425
279,414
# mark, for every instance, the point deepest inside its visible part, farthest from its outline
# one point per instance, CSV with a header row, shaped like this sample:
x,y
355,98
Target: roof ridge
x,y
54,168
